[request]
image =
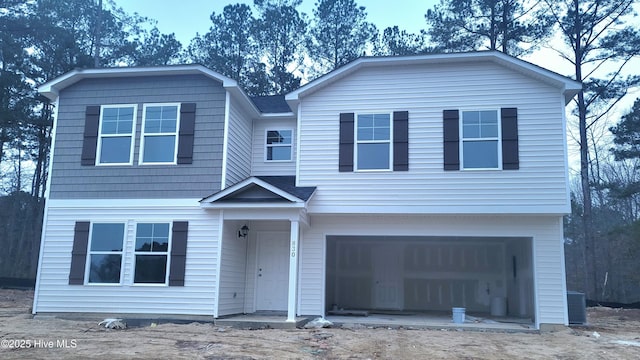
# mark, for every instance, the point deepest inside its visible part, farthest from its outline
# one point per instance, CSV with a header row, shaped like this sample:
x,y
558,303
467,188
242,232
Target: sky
x,y
192,16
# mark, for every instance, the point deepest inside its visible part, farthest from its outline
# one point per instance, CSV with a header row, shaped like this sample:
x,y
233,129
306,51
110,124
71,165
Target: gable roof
x,y
288,184
273,104
51,89
570,87
261,191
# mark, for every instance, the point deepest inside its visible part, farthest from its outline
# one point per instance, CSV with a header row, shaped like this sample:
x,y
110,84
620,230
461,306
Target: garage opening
x,y
487,276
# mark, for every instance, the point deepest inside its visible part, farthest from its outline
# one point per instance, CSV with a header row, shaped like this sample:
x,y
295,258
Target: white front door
x,y
388,289
272,282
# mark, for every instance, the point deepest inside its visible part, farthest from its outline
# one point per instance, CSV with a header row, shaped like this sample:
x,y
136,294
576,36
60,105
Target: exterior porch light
x,y
243,232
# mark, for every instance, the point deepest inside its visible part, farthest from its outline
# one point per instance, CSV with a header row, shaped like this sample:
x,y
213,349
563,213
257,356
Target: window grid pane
x,y
279,137
117,120
374,127
105,268
152,237
159,149
150,269
279,153
115,150
161,119
372,156
480,154
107,237
480,124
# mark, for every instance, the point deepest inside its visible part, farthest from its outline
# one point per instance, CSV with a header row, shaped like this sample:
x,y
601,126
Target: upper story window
x,y
159,139
373,142
480,140
105,253
151,253
115,145
279,145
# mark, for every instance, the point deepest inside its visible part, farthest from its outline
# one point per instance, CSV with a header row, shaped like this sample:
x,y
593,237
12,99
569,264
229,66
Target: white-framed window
x,y
480,145
104,260
159,138
115,134
373,150
151,253
278,145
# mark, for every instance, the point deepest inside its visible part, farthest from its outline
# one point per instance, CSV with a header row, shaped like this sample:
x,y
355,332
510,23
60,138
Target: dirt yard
x,y
612,334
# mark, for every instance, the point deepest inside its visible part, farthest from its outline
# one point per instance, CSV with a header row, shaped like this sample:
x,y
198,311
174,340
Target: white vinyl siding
x,y
233,270
239,144
196,297
539,186
259,165
545,232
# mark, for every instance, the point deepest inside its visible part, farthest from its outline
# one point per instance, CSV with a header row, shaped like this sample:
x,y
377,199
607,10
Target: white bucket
x,y
458,315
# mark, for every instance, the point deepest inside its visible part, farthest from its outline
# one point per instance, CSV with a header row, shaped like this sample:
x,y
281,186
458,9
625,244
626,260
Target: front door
x,y
272,283
387,277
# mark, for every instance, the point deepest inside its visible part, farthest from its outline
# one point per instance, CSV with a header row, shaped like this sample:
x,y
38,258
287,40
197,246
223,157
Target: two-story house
x,y
395,183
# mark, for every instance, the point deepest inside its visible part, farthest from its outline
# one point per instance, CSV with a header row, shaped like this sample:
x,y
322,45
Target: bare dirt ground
x,y
612,334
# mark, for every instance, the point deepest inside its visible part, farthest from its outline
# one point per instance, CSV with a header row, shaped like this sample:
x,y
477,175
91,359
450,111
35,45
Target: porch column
x,y
293,271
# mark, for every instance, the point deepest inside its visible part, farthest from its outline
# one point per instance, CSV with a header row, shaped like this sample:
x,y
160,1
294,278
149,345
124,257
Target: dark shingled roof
x,y
288,184
271,104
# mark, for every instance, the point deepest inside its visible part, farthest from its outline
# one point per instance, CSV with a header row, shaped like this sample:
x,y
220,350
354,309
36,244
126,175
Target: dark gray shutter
x,y
451,126
400,141
79,253
178,253
346,142
185,135
90,143
510,156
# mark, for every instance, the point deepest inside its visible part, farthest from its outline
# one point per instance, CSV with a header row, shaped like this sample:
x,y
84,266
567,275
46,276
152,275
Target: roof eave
x,y
53,87
293,98
247,182
277,115
570,92
268,205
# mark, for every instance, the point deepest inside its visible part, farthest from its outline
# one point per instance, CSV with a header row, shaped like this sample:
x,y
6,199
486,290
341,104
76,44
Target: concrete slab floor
x,y
435,321
261,321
